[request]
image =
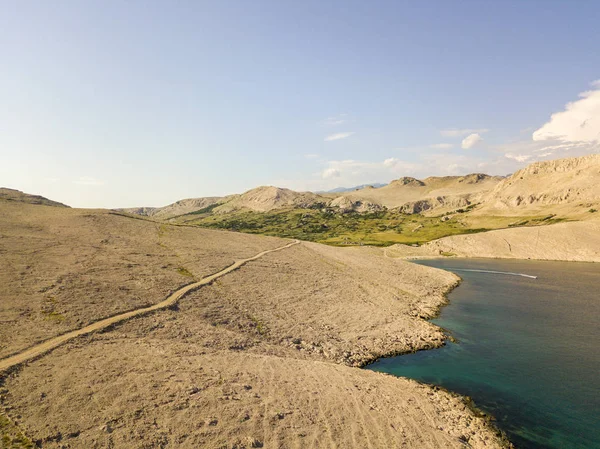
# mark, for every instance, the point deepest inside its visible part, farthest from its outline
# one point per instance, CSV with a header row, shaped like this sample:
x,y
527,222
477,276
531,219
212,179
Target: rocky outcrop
x,y
143,211
345,205
417,207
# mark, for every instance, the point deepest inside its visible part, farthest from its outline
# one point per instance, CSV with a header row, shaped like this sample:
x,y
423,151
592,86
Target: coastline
x,y
503,439
434,344
509,361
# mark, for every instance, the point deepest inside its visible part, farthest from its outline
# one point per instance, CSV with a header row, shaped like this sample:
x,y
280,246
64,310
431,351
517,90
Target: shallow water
x,y
528,350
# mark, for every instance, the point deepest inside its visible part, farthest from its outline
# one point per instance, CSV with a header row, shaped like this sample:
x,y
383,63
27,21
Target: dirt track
x,y
172,299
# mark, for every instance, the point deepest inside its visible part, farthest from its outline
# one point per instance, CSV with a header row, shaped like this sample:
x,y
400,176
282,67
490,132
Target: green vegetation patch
x,y
53,316
259,325
204,211
383,228
537,221
184,272
11,435
327,226
447,254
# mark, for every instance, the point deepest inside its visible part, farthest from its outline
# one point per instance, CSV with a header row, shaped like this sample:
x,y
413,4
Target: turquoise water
x,y
527,351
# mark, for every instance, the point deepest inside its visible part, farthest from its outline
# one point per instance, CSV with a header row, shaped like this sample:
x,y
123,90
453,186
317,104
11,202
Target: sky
x,y
142,103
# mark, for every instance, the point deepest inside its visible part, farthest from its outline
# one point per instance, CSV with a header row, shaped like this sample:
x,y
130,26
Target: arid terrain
x,y
263,356
137,328
568,188
577,241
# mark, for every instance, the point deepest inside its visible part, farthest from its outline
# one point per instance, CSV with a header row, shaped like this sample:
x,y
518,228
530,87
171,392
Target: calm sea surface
x,y
527,351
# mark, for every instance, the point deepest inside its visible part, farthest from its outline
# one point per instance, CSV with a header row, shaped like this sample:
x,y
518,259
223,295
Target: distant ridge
x,y
18,196
375,185
566,183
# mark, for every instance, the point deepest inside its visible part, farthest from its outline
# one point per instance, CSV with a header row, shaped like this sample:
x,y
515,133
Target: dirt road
x,y
172,299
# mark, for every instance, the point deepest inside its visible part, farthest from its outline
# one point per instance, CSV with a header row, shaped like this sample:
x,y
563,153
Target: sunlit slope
x,y
452,190
563,186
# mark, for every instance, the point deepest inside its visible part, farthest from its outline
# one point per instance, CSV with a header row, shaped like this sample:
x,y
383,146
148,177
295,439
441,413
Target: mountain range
x,y
568,185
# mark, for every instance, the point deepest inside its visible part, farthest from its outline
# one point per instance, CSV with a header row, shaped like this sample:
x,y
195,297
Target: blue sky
x,y
116,104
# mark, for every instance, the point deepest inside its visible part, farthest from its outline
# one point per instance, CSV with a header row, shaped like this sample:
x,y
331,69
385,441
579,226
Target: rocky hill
x,y
18,196
260,199
561,185
267,198
412,195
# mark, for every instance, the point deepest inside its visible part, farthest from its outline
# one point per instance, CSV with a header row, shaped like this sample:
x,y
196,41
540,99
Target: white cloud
x,y
441,146
390,162
519,157
331,173
573,132
459,132
579,122
528,151
471,141
338,136
335,120
311,156
88,181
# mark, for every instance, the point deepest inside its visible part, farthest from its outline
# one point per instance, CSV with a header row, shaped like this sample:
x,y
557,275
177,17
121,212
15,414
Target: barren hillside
x,y
262,356
453,190
63,268
562,185
571,241
266,198
261,199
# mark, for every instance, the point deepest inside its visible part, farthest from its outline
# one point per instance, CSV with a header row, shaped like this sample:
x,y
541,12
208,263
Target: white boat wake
x,y
494,272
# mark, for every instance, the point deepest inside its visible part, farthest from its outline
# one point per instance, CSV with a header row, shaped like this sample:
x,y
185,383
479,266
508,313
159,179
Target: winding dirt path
x,y
172,299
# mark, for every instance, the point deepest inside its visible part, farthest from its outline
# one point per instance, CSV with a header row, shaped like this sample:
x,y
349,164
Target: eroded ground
x,y
262,357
